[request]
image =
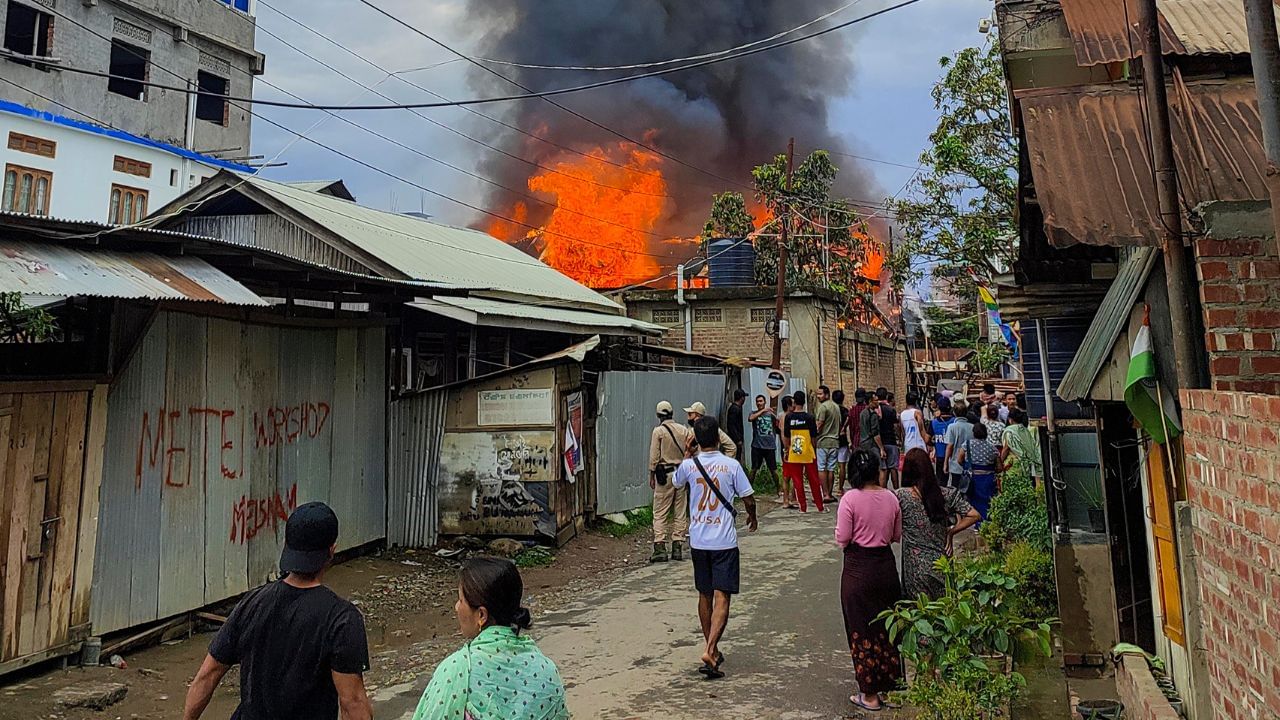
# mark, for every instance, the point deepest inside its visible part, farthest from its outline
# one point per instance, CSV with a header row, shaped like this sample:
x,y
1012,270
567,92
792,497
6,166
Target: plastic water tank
x,y
732,263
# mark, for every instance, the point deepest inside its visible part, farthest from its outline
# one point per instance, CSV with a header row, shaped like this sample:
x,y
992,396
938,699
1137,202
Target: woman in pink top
x,y
868,522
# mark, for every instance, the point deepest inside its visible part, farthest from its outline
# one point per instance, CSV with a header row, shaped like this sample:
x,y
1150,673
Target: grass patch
x,y
765,481
638,520
536,556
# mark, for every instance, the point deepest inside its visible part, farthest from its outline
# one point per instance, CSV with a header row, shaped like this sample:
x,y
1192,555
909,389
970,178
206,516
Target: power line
x,y
400,76
306,137
874,160
445,163
531,94
673,61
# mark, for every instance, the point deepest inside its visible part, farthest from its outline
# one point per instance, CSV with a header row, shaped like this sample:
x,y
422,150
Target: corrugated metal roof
x,y
429,251
485,311
40,269
1110,319
1099,133
1187,27
1106,30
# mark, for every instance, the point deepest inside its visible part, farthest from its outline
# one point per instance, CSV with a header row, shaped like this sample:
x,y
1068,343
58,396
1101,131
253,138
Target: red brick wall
x,y
1138,691
1238,291
1232,446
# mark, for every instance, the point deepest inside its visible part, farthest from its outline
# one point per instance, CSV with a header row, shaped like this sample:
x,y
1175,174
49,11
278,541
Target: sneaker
x,y
677,551
659,553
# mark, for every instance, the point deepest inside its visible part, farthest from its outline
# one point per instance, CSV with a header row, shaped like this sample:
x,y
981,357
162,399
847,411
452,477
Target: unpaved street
x,y
630,649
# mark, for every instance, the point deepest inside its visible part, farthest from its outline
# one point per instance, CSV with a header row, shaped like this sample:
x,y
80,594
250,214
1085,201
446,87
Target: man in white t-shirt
x,y
713,536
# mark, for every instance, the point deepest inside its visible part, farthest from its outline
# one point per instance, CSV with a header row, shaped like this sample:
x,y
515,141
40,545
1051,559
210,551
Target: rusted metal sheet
x,y
416,431
41,269
1208,27
216,430
1098,134
1106,31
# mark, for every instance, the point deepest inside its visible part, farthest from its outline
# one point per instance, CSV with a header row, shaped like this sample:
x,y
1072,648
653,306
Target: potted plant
x,y
960,644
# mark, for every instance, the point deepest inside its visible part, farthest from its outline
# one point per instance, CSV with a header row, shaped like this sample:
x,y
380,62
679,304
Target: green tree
x,y
959,216
948,329
827,240
729,218
20,322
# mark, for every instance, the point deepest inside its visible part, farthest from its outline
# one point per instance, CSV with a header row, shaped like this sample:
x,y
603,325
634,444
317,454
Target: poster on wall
x,y
573,435
518,406
497,482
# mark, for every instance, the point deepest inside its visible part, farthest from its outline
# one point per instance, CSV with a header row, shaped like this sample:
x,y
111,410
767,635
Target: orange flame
x,y
598,232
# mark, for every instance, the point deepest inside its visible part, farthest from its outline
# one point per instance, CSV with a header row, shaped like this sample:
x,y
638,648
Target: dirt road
x,y
630,649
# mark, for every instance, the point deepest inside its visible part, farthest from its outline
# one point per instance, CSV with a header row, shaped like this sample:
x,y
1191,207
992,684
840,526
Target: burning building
x,y
625,173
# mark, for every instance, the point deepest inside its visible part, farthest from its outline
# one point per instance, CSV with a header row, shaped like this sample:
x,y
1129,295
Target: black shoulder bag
x,y
662,470
715,488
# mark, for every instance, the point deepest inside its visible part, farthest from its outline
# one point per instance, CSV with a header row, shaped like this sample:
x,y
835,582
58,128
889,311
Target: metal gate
x,y
624,424
417,427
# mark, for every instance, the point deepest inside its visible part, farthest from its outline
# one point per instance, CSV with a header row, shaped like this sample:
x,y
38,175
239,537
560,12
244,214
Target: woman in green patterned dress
x,y
499,674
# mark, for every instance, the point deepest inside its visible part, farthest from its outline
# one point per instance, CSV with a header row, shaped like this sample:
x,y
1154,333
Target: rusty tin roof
x,y
1091,162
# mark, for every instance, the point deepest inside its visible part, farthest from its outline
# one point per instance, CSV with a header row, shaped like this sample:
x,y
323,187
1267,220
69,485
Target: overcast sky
x,y
888,115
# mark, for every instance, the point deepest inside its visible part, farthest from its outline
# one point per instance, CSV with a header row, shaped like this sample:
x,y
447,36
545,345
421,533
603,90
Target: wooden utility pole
x,y
1264,52
785,209
1175,255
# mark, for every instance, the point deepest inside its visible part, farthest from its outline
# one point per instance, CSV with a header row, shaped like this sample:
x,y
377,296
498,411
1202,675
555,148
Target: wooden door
x,y
42,439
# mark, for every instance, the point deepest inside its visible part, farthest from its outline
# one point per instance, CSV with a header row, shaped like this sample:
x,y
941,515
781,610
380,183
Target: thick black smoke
x,y
725,118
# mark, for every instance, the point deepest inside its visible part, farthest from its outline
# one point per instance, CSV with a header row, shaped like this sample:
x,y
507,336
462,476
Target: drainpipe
x,y
1053,483
1264,51
688,312
189,139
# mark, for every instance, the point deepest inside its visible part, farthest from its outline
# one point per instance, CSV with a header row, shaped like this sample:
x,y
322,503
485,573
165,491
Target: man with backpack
x,y
667,449
714,481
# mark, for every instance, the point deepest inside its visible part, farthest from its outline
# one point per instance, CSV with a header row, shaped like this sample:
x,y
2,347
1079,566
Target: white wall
x,y
83,171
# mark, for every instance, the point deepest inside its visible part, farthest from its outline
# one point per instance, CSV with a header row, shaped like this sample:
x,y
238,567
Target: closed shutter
x,y
1165,543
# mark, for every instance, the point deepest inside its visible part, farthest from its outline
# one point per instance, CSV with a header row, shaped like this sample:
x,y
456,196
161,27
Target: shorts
x,y
843,454
827,459
715,570
764,456
889,461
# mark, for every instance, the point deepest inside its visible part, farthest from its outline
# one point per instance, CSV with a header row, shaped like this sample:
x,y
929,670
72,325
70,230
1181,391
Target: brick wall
x,y
1138,691
1232,447
1241,313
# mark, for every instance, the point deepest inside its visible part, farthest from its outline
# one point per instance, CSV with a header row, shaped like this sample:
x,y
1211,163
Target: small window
x,y
28,31
706,315
132,167
128,205
173,178
128,70
32,144
211,103
761,315
666,316
26,190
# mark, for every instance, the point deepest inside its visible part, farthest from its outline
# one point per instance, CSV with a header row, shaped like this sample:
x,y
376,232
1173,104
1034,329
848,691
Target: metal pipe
x,y
782,260
1166,177
1264,52
1054,485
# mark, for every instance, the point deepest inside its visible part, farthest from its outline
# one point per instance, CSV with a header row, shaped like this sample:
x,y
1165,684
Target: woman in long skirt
x,y
868,523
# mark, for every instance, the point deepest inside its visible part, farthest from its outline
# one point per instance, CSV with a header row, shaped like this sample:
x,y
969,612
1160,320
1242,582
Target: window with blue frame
x,y
241,5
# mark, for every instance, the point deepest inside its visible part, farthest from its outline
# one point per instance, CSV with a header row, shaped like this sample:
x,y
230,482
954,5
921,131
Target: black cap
x,y
312,529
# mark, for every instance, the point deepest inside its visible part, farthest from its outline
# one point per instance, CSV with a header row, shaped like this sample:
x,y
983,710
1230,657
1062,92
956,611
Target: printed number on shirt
x,y
706,495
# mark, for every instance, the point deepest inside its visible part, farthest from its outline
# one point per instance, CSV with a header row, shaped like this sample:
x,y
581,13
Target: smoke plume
x,y
725,118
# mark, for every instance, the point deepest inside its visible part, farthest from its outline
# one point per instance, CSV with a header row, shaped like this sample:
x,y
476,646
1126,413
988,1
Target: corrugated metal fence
x,y
417,426
216,430
626,419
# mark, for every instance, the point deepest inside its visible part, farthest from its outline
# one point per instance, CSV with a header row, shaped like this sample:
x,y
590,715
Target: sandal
x,y
857,700
711,672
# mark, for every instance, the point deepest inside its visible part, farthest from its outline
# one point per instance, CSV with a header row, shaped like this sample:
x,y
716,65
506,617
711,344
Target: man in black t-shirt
x,y
735,427
888,438
301,648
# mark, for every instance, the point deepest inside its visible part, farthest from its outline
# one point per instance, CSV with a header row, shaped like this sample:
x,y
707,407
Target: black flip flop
x,y
711,672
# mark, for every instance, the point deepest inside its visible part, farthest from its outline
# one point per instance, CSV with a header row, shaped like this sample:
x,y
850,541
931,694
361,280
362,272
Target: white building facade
x,y
66,168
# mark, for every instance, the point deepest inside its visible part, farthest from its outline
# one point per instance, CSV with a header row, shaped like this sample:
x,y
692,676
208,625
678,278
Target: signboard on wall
x,y
497,483
573,435
519,406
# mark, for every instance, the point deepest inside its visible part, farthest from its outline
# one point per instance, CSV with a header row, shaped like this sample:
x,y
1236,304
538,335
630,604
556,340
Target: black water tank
x,y
731,262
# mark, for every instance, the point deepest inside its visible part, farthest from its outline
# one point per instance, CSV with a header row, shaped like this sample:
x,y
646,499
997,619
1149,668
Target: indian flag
x,y
1151,403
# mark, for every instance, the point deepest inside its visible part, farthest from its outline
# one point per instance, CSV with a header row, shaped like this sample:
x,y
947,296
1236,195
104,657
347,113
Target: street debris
x,y
95,696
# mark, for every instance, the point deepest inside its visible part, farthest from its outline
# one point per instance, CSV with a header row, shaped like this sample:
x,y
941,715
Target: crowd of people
x,y
302,649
